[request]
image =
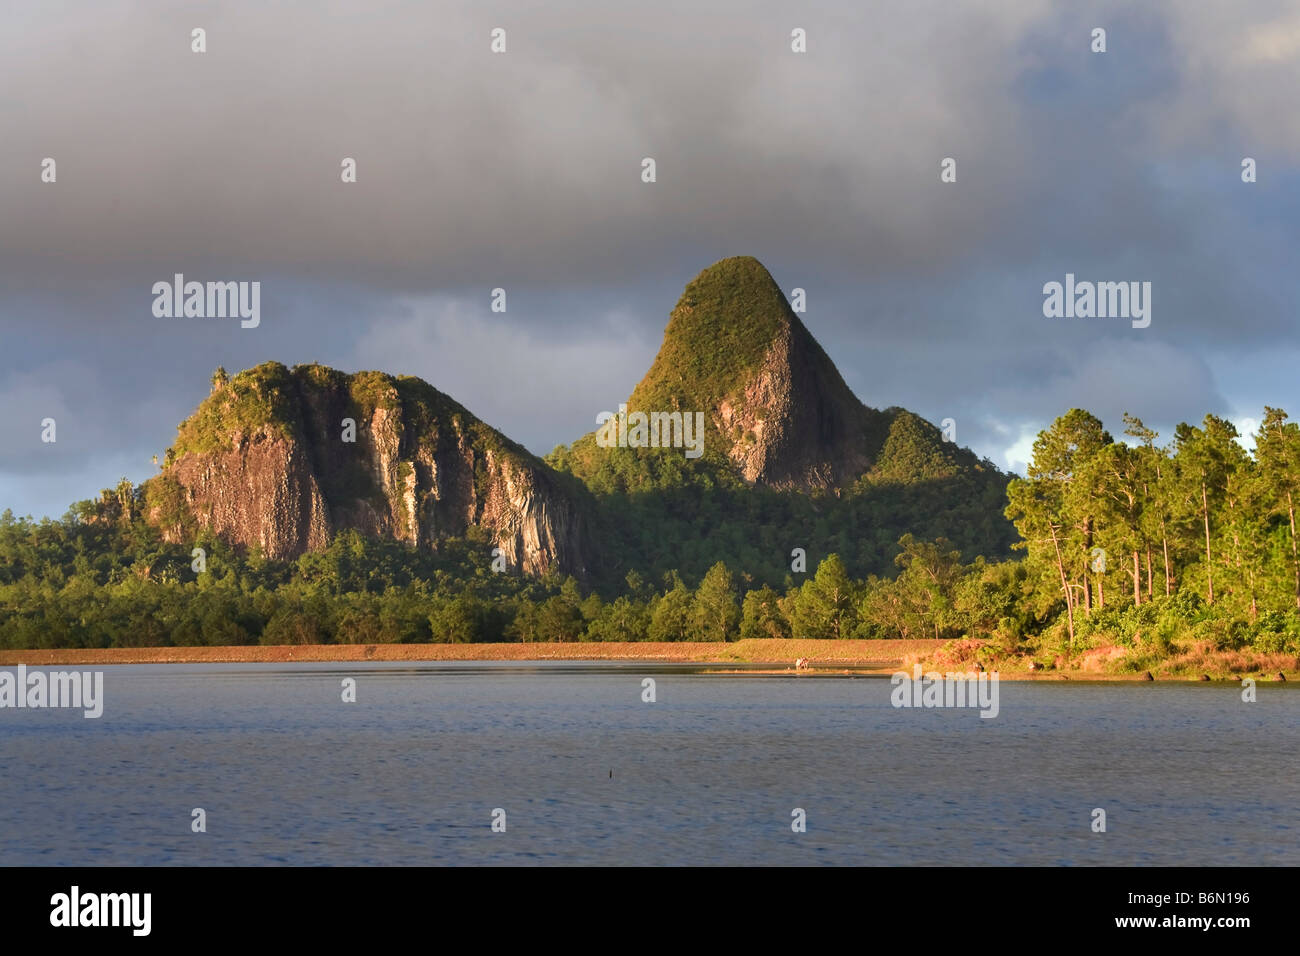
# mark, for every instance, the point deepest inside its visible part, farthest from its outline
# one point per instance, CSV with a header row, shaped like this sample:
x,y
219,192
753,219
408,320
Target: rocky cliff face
x,y
258,491
795,423
283,459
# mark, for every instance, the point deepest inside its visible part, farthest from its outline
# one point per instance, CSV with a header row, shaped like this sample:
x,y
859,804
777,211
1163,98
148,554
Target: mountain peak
x,y
720,330
776,408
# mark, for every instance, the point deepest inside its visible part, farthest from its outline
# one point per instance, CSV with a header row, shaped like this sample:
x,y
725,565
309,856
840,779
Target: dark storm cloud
x,y
522,171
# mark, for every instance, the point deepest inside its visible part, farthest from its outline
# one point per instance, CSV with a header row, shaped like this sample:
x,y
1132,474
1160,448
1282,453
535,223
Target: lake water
x,y
708,774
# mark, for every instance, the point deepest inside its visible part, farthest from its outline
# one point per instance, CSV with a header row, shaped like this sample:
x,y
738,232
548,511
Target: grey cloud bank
x,y
521,170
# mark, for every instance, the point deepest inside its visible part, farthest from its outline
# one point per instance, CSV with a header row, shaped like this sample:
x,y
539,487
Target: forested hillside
x,y
1153,548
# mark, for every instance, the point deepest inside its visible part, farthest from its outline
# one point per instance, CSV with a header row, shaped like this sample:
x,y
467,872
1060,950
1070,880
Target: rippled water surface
x,y
709,773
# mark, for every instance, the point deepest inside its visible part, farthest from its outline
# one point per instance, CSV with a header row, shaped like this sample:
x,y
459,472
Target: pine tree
x,y
1204,457
1277,450
670,619
1049,507
1114,479
826,605
761,615
1153,467
714,612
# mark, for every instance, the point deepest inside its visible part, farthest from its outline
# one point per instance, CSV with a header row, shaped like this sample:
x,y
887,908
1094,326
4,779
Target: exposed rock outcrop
x,y
282,459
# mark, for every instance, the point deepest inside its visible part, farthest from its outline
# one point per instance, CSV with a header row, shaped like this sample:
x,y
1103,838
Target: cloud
x,y
1017,456
522,171
541,390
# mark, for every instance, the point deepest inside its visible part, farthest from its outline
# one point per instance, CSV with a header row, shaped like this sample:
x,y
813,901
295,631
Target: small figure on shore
x,y
802,664
1035,666
1204,677
1146,676
1281,677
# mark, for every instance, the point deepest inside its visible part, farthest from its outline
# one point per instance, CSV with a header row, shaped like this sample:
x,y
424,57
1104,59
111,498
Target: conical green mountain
x,y
776,410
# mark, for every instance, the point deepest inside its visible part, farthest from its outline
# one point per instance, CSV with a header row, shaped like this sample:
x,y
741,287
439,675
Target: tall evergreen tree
x,y
1204,458
1277,450
826,606
714,612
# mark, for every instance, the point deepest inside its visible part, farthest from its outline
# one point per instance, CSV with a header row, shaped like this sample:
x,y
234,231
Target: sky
x,y
522,170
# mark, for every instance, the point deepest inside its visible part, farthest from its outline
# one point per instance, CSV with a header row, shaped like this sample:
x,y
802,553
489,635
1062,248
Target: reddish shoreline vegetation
x,y
883,656
308,507
862,654
1194,661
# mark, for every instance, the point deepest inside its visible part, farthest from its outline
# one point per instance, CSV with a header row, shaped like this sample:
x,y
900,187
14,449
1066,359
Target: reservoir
x,y
584,771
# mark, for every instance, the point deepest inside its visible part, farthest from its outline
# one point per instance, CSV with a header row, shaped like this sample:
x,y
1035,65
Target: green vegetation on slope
x,y
261,396
915,450
716,339
660,512
717,336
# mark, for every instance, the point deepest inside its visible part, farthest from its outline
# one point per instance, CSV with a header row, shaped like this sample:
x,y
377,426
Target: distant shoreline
x,y
826,657
885,654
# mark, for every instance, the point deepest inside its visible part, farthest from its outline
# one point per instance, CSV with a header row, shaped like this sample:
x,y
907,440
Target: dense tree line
x,y
1199,524
660,512
1132,542
80,583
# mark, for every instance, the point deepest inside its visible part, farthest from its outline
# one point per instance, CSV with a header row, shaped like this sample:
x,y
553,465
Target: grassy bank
x,y
1104,663
1100,660
885,654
